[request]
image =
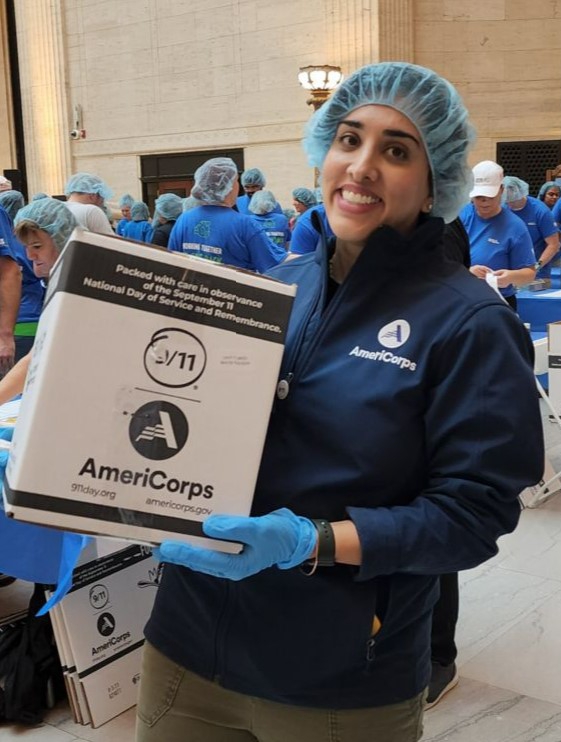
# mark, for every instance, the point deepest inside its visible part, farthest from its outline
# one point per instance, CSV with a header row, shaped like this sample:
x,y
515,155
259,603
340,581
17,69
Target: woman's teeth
x,y
359,198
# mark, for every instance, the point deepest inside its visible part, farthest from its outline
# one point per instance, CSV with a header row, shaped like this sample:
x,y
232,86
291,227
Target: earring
x,y
428,208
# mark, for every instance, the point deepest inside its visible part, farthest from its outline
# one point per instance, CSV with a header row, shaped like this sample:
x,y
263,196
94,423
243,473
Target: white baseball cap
x,y
487,179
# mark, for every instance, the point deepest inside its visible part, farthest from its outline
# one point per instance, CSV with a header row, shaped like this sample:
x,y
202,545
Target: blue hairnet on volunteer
x,y
51,216
12,202
39,196
304,196
126,200
253,177
319,195
190,203
87,183
169,206
139,212
262,202
214,180
515,189
545,188
429,101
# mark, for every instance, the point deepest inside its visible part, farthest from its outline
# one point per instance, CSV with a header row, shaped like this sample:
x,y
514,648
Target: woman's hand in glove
x,y
280,539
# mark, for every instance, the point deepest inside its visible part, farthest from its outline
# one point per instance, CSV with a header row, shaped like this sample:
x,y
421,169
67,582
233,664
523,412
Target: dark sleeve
x,y
456,242
161,236
484,445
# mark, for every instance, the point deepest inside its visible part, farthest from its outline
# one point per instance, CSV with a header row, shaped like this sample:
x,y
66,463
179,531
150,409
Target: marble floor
x,y
509,640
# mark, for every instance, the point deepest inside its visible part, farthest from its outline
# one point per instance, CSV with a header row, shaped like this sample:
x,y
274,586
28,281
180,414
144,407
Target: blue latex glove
x,y
280,538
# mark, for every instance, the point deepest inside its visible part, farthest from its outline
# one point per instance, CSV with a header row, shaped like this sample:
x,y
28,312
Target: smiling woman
x,y
386,461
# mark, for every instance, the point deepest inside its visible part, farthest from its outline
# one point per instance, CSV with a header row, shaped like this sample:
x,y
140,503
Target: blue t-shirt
x,y
141,231
32,288
242,203
121,227
305,237
225,236
539,220
275,227
501,242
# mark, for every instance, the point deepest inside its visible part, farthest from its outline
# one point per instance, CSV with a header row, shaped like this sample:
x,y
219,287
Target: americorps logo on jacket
x,y
393,335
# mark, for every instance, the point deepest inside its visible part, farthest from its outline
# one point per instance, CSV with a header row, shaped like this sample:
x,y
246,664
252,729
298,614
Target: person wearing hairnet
x,y
396,451
39,195
12,202
5,184
43,228
214,230
190,203
32,288
308,228
549,193
537,218
85,195
168,208
139,227
253,181
125,203
302,200
262,208
10,292
500,246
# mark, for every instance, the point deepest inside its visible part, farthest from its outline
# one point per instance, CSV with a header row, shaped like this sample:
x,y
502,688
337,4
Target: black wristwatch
x,y
326,543
537,265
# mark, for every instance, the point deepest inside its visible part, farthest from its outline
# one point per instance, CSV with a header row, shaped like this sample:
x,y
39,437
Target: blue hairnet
x,y
38,196
190,203
50,215
304,196
545,188
289,213
214,180
262,202
429,101
253,177
169,206
319,195
12,202
139,212
126,200
86,183
514,189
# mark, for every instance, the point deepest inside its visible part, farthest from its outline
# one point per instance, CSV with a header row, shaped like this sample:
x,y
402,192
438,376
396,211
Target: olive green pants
x,y
177,706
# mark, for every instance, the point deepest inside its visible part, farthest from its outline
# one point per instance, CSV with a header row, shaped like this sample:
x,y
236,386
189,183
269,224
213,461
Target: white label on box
x,y
148,397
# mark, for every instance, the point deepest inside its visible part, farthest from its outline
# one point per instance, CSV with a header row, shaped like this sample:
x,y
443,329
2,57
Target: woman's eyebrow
x,y
387,132
401,133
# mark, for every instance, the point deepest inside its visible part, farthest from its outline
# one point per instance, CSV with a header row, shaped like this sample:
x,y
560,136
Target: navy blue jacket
x,y
412,409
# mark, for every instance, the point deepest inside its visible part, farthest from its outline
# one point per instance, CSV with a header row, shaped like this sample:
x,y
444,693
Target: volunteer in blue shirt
x,y
500,244
537,218
406,424
306,233
214,230
549,193
125,203
139,228
253,181
262,208
32,292
10,293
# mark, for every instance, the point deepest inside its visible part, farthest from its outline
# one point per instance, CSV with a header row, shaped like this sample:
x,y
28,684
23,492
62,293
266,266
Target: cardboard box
x,y
149,392
99,632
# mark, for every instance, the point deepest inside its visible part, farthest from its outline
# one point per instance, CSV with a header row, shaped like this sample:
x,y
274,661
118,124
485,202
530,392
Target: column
x,y
43,90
